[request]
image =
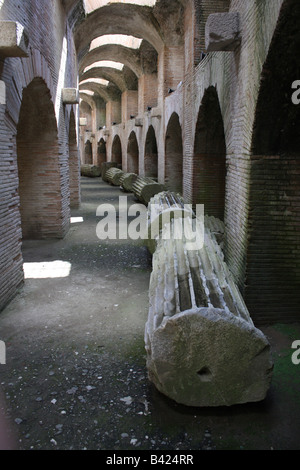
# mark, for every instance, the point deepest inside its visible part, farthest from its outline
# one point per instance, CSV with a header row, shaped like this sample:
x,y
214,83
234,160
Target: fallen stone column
x,y
113,176
127,181
202,346
163,207
145,188
105,167
91,171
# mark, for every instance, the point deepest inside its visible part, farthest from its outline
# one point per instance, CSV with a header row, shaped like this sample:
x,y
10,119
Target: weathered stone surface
x,y
70,96
83,122
105,167
202,346
127,181
156,113
92,171
222,32
12,39
113,176
145,188
208,357
163,208
139,122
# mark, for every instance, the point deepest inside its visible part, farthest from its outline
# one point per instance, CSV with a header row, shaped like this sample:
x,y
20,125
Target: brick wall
x,y
273,268
273,256
11,263
51,58
113,112
147,93
129,104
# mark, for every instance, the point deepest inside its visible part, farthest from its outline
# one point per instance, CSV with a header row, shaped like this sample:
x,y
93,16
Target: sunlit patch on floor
x,y
47,270
76,220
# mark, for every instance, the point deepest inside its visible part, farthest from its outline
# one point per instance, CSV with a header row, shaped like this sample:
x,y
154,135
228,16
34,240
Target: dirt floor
x,y
76,378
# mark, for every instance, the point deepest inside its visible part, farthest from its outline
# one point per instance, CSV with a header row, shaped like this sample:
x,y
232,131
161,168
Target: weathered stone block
x,y
83,122
145,188
90,171
127,181
70,96
13,40
156,113
222,32
113,176
139,122
105,167
209,357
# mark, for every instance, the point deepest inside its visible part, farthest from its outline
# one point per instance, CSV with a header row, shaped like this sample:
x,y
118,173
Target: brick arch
x,y
124,18
116,151
24,71
174,155
209,163
272,282
38,164
151,154
114,52
133,154
101,152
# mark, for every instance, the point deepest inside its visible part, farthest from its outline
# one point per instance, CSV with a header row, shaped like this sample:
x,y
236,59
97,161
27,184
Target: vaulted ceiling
x,y
121,24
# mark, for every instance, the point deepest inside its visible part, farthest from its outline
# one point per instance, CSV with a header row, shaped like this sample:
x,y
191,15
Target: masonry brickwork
x,y
193,120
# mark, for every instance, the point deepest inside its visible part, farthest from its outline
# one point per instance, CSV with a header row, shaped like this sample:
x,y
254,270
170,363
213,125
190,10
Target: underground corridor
x,y
88,389
191,109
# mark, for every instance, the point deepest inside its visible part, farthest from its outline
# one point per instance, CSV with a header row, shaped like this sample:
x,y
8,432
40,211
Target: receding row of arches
x,y
208,175
133,166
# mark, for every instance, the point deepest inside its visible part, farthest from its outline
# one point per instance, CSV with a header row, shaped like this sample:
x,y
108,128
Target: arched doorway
x,y
88,153
101,153
174,155
38,164
133,154
116,151
273,257
151,155
209,172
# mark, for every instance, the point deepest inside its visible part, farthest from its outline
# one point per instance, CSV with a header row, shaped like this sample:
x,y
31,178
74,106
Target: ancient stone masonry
x,y
202,346
127,181
222,32
145,188
91,171
105,167
114,175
